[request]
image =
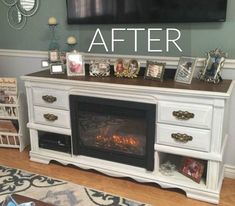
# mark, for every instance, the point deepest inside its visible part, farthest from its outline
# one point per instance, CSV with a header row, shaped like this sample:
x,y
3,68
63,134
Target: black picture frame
x,y
57,68
154,70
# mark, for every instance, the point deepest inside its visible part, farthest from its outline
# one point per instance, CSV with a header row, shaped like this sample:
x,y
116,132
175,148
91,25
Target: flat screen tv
x,y
145,11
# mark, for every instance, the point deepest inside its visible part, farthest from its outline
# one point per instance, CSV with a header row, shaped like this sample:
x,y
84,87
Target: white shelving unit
x,y
17,115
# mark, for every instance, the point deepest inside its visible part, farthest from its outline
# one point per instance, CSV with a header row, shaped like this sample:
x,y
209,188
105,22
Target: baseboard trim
x,y
172,62
229,171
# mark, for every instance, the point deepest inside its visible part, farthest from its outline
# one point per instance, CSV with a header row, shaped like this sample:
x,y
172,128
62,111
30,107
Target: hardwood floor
x,y
149,193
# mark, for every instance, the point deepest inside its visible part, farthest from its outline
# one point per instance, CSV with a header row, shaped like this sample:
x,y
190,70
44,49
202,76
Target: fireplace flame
x,y
118,140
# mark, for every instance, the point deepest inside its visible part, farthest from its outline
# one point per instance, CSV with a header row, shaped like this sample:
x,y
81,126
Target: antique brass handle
x,y
49,98
183,115
181,137
50,117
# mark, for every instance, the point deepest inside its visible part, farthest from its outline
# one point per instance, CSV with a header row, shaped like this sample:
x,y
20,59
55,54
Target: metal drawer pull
x,y
50,117
181,137
183,115
49,98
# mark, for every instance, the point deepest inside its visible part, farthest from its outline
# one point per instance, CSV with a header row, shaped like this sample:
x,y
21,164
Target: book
x,y
8,90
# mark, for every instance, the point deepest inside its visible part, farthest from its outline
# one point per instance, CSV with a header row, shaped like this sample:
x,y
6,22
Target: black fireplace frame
x,y
146,161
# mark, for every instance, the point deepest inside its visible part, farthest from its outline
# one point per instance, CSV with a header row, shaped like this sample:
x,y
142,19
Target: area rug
x,y
55,191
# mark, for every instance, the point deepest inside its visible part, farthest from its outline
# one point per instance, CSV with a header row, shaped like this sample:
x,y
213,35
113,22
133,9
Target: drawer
x,y
52,117
51,98
192,115
183,137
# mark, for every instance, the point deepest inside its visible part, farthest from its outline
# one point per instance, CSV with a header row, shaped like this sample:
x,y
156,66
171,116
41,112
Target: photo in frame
x,y
54,56
57,68
213,65
120,68
133,68
154,70
192,169
99,68
44,63
75,66
185,69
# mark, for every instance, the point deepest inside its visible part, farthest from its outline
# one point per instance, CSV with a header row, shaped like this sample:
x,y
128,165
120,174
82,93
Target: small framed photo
x,y
99,68
213,65
154,70
192,169
54,56
75,66
63,57
185,70
133,68
120,68
56,68
45,63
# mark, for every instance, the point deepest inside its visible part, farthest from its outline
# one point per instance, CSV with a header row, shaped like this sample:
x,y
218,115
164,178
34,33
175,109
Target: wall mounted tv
x,y
145,11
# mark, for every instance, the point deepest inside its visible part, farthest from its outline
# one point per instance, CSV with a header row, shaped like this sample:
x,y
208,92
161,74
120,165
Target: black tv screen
x,y
145,11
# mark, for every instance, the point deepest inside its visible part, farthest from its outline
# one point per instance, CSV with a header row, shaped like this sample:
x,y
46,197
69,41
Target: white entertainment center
x,y
204,120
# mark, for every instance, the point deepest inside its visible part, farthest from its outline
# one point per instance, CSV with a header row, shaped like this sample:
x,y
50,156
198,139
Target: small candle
x,y
71,40
52,20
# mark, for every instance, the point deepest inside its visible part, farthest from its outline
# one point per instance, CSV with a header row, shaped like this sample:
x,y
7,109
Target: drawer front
x,y
51,98
52,117
184,137
192,115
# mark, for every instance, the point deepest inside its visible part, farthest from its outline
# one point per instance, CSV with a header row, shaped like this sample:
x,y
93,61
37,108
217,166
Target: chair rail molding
x,y
171,62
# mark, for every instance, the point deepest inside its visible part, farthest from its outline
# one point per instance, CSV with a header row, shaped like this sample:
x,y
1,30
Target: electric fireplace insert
x,y
114,130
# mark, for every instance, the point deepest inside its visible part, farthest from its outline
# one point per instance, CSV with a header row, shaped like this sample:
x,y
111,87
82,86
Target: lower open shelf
x,y
182,170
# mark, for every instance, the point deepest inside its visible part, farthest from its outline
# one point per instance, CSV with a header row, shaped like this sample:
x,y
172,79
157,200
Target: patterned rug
x,y
55,191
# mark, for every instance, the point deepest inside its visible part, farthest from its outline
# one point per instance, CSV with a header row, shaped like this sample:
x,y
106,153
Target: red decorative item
x,y
192,169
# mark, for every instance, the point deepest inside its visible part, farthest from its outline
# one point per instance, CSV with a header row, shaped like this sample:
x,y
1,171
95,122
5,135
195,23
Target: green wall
x,y
196,39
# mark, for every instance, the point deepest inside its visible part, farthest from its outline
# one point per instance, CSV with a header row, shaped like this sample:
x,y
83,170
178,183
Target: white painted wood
x,y
202,114
213,174
23,119
208,131
61,102
200,141
63,117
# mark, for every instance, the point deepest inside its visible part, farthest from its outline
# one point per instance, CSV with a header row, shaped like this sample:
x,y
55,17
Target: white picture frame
x,y
75,65
185,69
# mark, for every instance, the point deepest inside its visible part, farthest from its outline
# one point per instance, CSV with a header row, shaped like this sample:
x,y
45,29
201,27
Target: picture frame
x,y
44,63
192,169
120,68
54,56
185,69
213,65
63,57
99,68
57,68
154,70
133,68
75,65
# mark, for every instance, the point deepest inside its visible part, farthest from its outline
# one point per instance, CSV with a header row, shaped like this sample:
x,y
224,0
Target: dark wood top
x,y
140,81
22,199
